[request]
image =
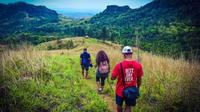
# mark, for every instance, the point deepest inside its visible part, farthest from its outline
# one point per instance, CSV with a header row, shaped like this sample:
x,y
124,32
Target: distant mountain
x,y
166,26
158,11
78,15
109,15
22,22
40,12
114,9
21,17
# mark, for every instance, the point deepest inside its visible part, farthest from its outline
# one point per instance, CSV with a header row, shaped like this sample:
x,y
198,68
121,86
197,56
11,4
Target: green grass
x,y
58,87
52,81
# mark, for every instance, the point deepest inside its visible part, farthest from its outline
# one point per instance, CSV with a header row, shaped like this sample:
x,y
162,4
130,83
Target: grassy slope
x,y
45,80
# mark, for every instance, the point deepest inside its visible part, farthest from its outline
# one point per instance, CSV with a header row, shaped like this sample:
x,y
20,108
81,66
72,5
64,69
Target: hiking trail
x,y
109,100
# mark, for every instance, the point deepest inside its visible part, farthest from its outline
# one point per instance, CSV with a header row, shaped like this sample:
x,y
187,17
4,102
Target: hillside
x,y
51,81
164,26
22,22
156,12
23,17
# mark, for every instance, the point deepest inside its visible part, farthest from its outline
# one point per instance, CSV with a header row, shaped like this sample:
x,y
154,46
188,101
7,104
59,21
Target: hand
x,y
95,66
91,65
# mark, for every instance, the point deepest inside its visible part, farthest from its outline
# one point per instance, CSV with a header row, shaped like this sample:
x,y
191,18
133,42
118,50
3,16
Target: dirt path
x,y
110,101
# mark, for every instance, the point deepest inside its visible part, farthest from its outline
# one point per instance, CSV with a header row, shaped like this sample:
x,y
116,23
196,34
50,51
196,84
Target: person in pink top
x,y
129,75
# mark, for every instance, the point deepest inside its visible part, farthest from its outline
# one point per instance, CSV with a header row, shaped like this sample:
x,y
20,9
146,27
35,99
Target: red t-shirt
x,y
132,71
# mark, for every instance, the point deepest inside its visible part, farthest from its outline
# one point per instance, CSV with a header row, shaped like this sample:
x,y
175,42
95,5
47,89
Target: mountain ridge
x,y
166,27
22,17
33,11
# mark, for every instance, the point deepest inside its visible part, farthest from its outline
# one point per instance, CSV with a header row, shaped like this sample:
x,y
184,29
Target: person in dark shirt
x,y
85,62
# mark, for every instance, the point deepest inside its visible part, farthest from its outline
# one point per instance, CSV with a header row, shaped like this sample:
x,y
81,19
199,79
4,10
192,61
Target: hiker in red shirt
x,y
129,74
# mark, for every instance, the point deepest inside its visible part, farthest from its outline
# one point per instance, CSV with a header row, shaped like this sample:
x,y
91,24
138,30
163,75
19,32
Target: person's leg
x,y
128,108
119,102
129,104
82,70
98,81
102,82
98,86
86,74
119,108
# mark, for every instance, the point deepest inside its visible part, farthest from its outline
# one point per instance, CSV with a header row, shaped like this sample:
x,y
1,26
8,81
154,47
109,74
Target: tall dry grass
x,y
176,80
168,84
23,81
22,63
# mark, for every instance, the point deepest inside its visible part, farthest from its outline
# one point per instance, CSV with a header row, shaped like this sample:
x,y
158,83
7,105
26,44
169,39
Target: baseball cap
x,y
127,50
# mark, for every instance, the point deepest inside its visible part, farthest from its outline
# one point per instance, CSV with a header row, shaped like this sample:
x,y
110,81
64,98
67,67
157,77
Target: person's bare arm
x,y
90,60
109,67
139,82
113,78
114,73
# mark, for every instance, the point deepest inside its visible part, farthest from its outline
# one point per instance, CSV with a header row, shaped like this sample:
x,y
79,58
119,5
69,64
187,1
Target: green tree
x,y
104,34
114,35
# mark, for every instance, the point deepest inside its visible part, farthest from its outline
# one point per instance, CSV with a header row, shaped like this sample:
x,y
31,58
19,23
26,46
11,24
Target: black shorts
x,y
101,77
85,67
128,102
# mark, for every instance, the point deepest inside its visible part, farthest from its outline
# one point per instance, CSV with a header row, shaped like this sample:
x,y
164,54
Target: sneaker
x,y
99,90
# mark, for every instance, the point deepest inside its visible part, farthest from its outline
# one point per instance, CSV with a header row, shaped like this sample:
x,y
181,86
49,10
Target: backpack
x,y
103,67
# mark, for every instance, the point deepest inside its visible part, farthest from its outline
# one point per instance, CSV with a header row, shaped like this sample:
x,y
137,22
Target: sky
x,y
94,6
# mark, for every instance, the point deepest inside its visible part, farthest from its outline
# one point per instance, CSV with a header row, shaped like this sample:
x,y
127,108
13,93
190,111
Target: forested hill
x,y
40,12
165,26
156,12
22,17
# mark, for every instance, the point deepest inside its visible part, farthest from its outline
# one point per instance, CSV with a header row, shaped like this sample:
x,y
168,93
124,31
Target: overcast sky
x,y
82,5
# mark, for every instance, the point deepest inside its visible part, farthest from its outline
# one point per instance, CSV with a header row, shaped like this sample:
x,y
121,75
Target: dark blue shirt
x,y
85,56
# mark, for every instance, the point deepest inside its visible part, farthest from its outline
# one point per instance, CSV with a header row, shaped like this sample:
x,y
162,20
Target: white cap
x,y
127,50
